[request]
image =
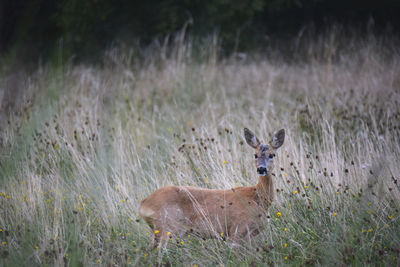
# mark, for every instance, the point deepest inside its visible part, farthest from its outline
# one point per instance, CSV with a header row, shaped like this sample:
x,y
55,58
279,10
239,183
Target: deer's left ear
x,y
251,138
278,139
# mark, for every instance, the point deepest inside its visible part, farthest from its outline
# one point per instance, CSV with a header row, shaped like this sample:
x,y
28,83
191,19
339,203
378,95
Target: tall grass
x,y
90,142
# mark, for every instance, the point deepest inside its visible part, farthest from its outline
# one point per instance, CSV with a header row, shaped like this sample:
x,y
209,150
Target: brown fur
x,y
235,212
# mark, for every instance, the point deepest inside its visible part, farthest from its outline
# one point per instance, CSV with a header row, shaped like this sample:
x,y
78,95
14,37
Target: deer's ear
x,y
251,138
278,139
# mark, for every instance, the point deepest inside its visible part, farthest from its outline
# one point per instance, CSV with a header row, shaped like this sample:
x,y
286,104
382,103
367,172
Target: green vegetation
x,y
87,144
32,30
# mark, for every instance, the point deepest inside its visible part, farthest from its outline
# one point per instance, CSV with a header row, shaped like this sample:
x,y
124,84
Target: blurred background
x,y
38,29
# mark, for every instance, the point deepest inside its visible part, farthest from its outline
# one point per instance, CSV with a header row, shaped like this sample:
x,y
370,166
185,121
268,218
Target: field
x,y
85,144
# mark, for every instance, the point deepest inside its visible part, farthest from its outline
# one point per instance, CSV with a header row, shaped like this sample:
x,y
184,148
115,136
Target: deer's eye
x,y
255,156
271,156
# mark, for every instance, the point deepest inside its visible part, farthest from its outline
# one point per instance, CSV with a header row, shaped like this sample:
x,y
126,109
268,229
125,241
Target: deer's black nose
x,y
261,170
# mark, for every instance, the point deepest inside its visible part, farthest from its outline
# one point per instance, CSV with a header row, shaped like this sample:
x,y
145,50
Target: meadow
x,y
87,143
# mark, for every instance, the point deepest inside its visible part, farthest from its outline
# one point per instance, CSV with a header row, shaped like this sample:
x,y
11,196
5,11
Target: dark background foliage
x,y
32,29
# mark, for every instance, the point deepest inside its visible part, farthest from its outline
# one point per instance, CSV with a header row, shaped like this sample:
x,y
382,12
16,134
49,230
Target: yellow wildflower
x,y
4,243
156,231
168,233
334,214
182,242
285,229
295,192
370,230
224,162
285,245
278,214
222,234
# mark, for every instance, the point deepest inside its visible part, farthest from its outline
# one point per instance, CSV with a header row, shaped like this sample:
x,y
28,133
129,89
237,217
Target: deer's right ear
x,y
251,138
278,139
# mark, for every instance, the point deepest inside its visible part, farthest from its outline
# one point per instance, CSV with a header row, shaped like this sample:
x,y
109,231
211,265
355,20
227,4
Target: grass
x,y
87,143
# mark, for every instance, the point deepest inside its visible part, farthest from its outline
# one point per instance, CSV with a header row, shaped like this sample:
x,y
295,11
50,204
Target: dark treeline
x,y
37,28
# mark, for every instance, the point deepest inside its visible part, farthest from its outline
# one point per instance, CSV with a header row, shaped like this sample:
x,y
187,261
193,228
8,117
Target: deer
x,y
235,213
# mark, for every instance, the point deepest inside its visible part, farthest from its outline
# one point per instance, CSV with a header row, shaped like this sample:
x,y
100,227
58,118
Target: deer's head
x,y
264,154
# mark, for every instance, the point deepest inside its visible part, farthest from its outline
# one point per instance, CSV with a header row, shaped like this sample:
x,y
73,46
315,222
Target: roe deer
x,y
234,212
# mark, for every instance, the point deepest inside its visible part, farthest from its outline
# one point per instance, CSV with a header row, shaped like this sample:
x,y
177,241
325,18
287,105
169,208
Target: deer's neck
x,y
265,189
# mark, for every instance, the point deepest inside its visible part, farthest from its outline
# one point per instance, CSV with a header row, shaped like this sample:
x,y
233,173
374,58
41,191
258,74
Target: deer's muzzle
x,y
262,171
